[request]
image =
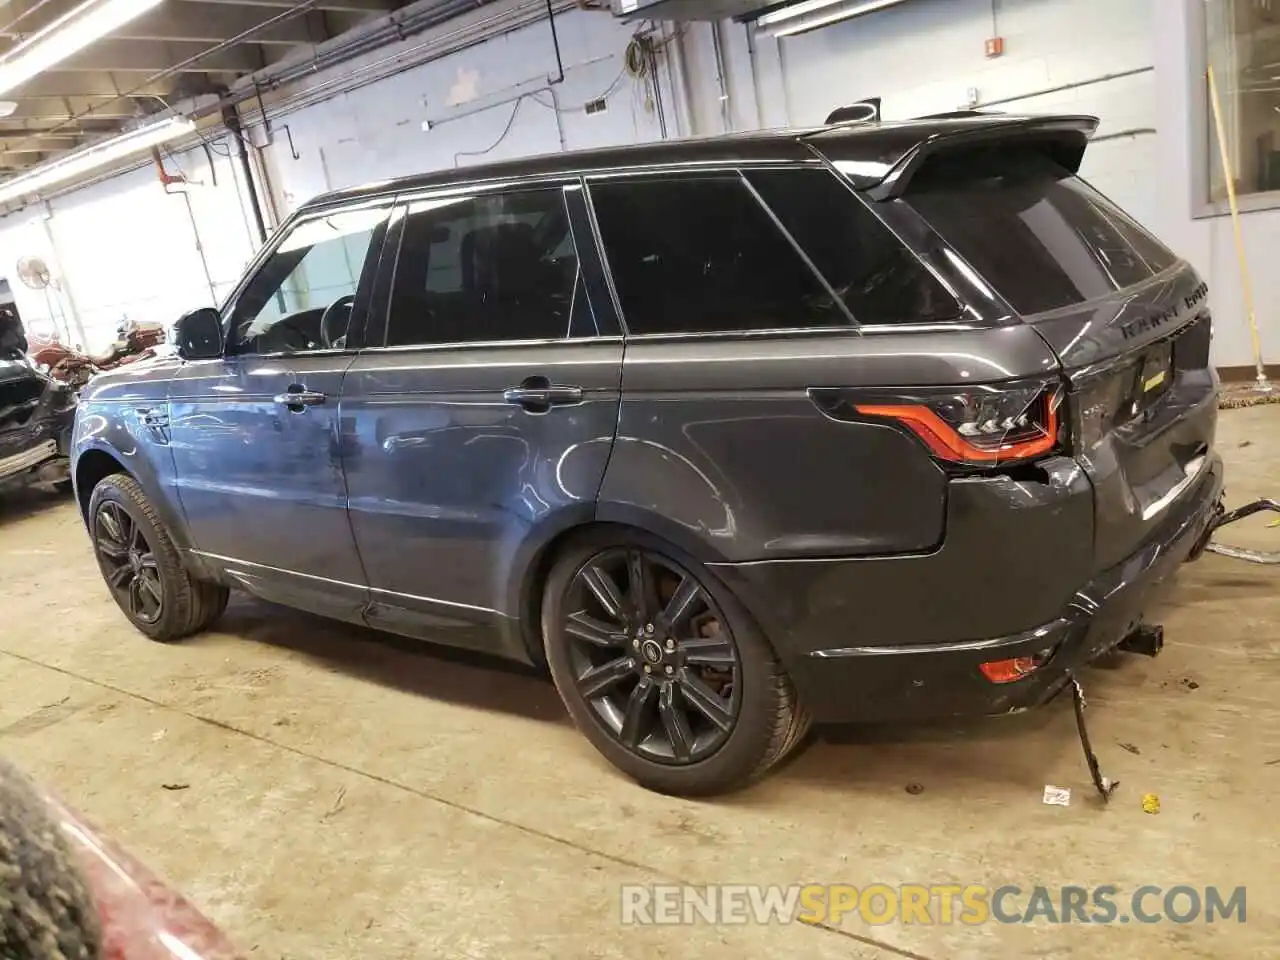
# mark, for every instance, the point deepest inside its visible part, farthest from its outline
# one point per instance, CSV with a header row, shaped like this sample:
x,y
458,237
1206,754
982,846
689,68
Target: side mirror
x,y
198,335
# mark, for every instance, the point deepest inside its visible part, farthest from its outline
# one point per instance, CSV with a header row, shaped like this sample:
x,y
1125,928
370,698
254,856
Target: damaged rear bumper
x,y
38,450
920,681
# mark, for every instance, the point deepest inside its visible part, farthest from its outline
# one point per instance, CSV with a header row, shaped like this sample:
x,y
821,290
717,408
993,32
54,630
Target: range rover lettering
x,y
868,422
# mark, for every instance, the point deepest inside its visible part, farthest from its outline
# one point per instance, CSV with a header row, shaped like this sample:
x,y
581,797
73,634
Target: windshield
x,y
1041,236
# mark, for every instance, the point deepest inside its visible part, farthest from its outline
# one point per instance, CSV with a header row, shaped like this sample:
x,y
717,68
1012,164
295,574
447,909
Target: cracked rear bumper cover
x,y
922,681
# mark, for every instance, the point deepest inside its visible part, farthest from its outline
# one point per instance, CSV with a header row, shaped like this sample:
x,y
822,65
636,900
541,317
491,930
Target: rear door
x,y
484,417
1128,321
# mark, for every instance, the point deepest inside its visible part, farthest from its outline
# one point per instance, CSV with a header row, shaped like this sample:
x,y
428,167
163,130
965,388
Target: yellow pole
x,y
1229,175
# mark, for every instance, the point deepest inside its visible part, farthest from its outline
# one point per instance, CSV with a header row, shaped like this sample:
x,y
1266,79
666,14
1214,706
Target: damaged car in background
x,y
36,415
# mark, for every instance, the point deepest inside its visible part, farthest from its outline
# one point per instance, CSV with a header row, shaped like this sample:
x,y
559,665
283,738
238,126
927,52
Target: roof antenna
x,y
864,111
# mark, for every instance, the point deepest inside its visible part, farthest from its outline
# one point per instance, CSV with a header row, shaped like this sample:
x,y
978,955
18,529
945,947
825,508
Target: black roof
x,y
871,151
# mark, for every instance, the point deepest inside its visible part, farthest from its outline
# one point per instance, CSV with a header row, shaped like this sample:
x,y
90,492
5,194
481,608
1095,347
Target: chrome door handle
x,y
538,395
298,396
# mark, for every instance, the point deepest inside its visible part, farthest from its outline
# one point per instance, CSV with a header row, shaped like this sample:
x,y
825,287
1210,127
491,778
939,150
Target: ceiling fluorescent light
x,y
67,35
813,6
92,157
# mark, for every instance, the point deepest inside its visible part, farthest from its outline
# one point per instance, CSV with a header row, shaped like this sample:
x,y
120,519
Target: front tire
x,y
662,669
142,567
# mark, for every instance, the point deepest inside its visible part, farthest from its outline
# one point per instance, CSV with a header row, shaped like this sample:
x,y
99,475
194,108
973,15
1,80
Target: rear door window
x,y
1040,235
879,279
497,267
701,255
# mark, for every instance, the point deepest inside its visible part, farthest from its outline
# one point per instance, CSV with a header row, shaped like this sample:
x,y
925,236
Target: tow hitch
x,y
1146,639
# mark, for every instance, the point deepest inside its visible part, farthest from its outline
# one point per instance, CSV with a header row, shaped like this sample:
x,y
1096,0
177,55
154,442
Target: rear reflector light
x,y
1007,671
982,426
1015,668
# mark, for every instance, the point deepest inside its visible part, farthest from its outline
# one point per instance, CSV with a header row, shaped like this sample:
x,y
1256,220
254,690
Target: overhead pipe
x,y
231,120
1044,92
555,43
499,24
473,34
71,313
166,178
753,65
721,82
678,72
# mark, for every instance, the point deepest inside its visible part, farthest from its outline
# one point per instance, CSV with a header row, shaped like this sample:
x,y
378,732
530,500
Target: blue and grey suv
x,y
873,421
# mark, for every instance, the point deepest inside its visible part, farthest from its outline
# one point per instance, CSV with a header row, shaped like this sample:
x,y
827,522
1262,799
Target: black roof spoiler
x,y
883,159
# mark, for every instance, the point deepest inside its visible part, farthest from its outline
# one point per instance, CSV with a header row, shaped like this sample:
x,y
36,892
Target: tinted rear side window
x,y
878,278
488,268
702,255
1041,236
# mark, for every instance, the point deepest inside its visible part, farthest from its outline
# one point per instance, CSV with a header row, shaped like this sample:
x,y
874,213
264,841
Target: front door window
x,y
301,297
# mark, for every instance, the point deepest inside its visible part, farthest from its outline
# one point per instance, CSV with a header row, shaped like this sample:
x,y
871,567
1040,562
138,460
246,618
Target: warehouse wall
x,y
486,103
1208,242
926,56
124,249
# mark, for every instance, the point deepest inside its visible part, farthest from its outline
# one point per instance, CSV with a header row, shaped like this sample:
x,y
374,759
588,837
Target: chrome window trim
x,y
286,354
484,344
570,176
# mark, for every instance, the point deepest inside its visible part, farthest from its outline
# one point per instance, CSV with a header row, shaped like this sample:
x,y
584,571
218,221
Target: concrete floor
x,y
351,796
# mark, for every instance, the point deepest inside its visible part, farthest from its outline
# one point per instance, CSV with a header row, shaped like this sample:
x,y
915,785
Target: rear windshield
x,y
1041,236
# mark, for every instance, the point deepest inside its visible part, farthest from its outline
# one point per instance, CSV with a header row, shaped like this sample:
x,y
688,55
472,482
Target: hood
x,y
145,378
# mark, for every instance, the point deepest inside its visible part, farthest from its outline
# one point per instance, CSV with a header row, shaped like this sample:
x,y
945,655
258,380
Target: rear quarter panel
x,y
721,450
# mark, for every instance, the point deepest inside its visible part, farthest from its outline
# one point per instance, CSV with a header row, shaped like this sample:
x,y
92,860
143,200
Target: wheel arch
x,y
528,590
91,468
99,461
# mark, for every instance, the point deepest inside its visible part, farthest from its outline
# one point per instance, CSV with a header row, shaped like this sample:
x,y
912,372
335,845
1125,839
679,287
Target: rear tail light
x,y
984,425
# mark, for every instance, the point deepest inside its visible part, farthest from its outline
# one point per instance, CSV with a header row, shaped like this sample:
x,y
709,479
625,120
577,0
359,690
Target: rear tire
x,y
632,720
142,567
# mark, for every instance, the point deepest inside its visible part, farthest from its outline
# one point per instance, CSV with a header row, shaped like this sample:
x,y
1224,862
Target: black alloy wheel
x,y
129,564
652,654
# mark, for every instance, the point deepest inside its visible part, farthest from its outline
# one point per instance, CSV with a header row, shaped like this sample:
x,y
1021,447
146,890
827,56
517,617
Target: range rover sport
x,y
868,422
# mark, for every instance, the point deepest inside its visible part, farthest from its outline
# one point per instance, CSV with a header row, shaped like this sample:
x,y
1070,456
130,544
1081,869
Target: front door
x,y
483,424
257,435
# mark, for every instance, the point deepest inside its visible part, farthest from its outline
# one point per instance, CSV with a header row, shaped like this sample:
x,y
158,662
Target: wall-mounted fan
x,y
34,273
